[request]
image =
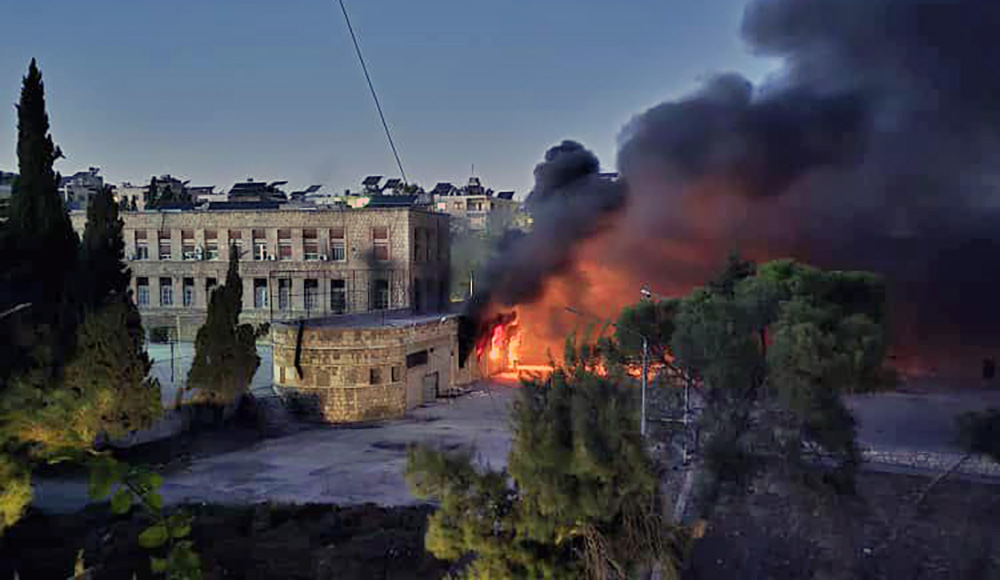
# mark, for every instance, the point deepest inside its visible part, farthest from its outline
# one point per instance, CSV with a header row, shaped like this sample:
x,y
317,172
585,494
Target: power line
x,y
371,87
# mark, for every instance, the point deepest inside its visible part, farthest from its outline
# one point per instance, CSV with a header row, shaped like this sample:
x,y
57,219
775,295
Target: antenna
x,y
371,87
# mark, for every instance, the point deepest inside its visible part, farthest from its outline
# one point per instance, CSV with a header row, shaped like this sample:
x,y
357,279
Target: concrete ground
x,y
366,464
328,464
920,417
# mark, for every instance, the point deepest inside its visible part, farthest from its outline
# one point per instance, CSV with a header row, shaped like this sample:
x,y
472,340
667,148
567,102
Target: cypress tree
x,y
38,252
152,197
39,223
103,273
225,358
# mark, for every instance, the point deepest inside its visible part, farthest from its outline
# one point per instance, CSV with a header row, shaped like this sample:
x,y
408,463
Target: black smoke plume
x,y
876,146
567,204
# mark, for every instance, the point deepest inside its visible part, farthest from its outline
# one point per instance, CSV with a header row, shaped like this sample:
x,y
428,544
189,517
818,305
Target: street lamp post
x,y
645,362
645,378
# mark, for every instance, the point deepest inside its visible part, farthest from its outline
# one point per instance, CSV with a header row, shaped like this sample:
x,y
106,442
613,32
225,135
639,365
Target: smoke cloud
x,y
875,147
567,205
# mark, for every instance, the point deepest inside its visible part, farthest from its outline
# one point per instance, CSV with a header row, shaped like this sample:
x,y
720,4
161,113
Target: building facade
x,y
368,367
475,208
294,263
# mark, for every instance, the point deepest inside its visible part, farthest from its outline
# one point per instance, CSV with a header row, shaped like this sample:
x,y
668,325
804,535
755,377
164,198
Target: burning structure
x,y
872,148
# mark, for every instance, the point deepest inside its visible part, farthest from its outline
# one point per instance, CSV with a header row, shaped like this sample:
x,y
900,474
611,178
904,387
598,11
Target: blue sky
x,y
219,90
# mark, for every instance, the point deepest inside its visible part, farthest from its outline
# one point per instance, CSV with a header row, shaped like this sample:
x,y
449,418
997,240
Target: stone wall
x,y
351,374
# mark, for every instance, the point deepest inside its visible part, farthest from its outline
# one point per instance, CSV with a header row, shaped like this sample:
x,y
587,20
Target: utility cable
x,y
371,87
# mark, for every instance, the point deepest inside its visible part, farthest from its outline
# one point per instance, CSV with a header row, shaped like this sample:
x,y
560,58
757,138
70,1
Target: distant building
x,y
475,208
203,194
251,190
6,185
77,189
295,263
128,195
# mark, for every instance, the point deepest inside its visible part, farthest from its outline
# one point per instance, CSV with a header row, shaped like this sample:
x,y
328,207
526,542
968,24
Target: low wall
x,y
932,461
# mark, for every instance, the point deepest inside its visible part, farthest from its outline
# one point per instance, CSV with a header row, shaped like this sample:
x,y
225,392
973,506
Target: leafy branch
x,y
168,535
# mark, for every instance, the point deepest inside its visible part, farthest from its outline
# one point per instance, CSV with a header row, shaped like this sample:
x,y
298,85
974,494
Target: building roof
x,y
443,188
392,183
505,195
371,180
237,205
392,200
379,319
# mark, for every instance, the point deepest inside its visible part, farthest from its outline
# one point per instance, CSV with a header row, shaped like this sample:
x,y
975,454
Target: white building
x,y
77,189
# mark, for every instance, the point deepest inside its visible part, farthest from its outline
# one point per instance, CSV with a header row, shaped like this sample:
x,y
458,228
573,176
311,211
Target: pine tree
x,y
578,499
225,357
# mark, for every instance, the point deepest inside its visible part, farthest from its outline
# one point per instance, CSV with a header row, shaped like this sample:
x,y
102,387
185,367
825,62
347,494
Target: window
x,y
442,244
187,245
338,296
188,294
284,244
210,284
338,244
416,359
375,376
142,291
236,239
259,245
380,295
211,245
418,295
312,294
141,245
260,293
310,244
431,244
419,235
164,238
475,205
284,293
380,243
166,292
458,205
396,374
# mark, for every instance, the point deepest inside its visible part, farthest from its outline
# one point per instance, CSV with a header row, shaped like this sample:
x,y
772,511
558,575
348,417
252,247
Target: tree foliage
x,y
578,497
653,319
979,432
774,347
15,491
103,274
225,358
104,389
38,338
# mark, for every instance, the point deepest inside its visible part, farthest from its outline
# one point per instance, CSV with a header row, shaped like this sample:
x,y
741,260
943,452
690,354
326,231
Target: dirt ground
x,y
252,542
879,534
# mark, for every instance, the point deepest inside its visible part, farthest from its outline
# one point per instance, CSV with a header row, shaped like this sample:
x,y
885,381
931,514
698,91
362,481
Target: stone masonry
x,y
366,369
295,263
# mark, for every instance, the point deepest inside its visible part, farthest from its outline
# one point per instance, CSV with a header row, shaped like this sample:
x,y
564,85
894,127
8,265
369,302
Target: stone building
x,y
369,366
295,264
476,209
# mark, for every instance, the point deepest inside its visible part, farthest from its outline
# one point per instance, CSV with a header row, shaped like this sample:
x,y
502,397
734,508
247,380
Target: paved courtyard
x,y
366,464
330,465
